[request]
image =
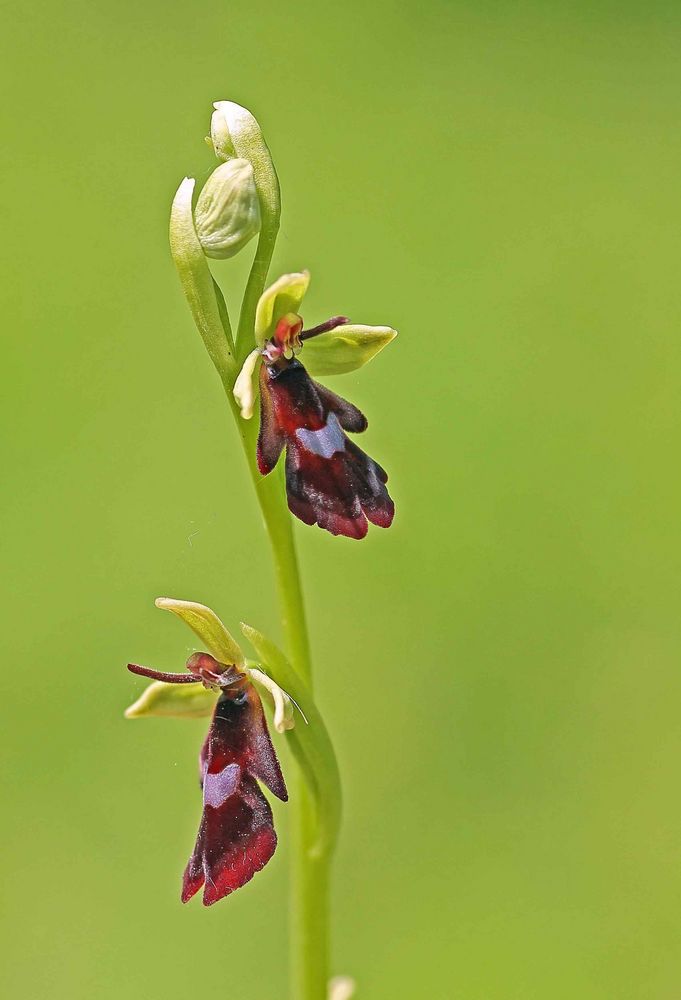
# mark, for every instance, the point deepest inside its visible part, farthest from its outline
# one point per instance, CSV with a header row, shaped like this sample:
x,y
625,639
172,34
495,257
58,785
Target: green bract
x,y
284,296
235,132
227,212
210,630
310,743
197,281
189,701
345,348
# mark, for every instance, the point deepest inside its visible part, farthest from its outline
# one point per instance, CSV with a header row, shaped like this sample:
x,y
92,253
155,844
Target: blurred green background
x,y
500,181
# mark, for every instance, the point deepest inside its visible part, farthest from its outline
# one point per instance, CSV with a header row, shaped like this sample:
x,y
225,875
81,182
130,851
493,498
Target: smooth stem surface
x,y
309,934
310,870
309,905
254,289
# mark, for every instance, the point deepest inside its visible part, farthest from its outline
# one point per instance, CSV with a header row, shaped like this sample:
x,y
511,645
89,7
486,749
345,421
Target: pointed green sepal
x,y
284,296
187,701
345,348
210,630
199,288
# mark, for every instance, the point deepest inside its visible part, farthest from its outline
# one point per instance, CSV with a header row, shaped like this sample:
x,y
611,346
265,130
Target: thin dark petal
x,y
239,735
161,675
236,837
329,480
370,480
329,324
349,417
260,760
270,438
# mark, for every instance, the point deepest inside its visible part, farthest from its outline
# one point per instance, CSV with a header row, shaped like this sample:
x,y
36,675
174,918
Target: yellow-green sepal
x,y
284,296
179,701
210,630
210,315
345,348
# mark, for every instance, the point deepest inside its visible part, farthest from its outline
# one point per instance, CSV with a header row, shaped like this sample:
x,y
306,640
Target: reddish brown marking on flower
x,y
329,480
287,333
202,667
236,837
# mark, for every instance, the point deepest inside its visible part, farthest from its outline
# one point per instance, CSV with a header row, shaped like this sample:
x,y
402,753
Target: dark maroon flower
x,y
236,836
330,481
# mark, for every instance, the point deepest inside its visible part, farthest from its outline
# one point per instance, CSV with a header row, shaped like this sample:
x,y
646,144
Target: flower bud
x,y
341,988
226,112
220,137
227,212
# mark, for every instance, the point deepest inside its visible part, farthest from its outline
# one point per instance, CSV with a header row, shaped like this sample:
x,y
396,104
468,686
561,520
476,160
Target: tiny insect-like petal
x,y
236,837
329,480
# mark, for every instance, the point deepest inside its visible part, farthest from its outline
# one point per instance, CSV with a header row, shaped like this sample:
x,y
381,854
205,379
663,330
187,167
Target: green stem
x,y
241,136
271,495
309,906
254,288
310,868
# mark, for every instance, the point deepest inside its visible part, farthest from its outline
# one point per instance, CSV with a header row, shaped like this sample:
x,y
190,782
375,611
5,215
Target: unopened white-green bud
x,y
227,212
220,134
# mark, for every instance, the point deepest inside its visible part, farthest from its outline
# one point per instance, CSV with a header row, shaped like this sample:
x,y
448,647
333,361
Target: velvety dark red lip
x,y
330,481
236,836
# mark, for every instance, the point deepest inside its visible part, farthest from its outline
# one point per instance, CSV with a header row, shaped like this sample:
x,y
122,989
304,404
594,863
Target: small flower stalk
x,y
298,439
